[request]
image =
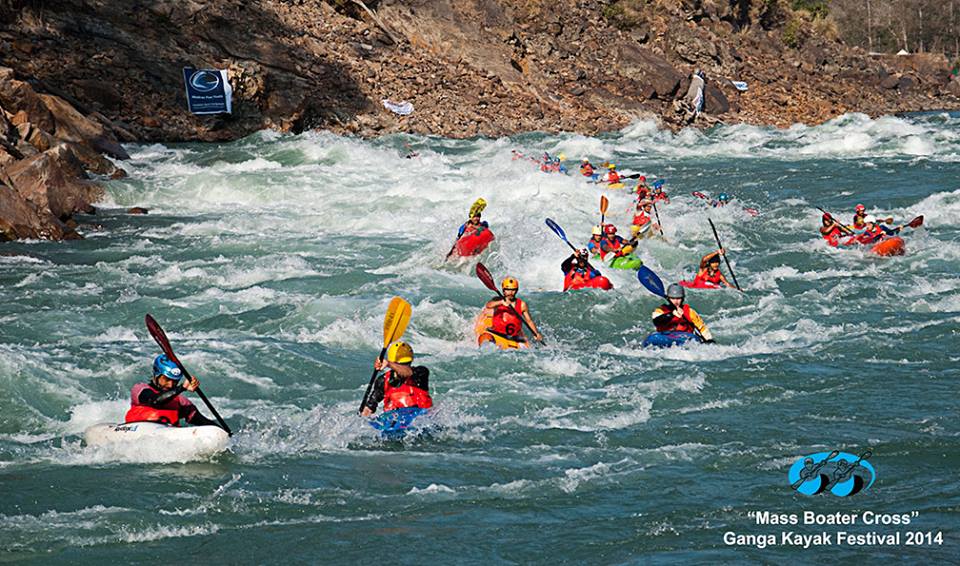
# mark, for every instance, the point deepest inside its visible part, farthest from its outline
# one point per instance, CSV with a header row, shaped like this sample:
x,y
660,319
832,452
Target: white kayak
x,y
179,442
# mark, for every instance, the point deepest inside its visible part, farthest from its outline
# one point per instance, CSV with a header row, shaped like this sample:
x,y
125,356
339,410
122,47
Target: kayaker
x,y
656,193
596,238
831,230
642,190
611,243
859,214
873,231
612,177
722,200
677,316
504,312
643,219
586,169
161,400
709,271
577,269
401,385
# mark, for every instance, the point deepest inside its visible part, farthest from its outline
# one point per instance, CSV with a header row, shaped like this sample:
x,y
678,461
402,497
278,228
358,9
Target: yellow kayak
x,y
615,185
485,334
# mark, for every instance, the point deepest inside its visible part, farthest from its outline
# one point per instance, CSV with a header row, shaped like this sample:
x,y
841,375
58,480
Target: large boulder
x,y
19,96
20,218
648,68
71,125
54,180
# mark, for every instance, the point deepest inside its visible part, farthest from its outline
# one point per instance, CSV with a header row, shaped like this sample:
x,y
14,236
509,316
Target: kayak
x,y
197,440
626,262
615,185
889,246
486,334
695,284
598,282
398,423
473,244
669,339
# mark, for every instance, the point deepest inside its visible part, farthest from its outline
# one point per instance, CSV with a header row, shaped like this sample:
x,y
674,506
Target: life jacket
x,y
675,323
642,192
594,246
576,276
586,170
833,236
871,236
715,278
607,247
506,322
168,414
641,218
661,196
405,395
613,177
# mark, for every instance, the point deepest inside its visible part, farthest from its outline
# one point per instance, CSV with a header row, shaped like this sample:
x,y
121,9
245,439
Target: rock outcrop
x,y
47,150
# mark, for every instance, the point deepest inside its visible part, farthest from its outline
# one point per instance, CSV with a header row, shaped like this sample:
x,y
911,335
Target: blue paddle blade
x,y
651,281
557,229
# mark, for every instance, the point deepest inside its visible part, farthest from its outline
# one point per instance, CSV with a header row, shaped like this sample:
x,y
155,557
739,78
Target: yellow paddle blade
x,y
604,203
477,207
396,320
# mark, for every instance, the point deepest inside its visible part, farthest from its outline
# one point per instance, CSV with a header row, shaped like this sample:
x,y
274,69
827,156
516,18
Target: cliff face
x,y
469,67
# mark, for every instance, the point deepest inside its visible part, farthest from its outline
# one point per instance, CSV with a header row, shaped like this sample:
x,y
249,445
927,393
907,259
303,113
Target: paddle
x,y
394,324
843,477
659,224
812,473
161,339
604,204
484,275
654,284
916,222
715,235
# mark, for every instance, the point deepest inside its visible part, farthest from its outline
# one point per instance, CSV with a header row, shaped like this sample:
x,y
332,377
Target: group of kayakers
x,y
866,229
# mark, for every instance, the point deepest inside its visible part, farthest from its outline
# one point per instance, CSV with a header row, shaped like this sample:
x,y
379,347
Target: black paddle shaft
x,y
717,237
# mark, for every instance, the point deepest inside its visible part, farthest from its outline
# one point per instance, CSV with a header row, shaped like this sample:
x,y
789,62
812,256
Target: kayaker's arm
x,y
197,419
701,326
376,395
526,316
567,264
153,399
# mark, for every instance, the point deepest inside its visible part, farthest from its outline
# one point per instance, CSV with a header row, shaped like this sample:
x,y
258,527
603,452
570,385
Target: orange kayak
x,y
486,334
889,246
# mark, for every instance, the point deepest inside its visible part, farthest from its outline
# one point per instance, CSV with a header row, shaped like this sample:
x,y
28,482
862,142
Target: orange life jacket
x,y
715,278
140,413
613,177
676,323
833,236
405,395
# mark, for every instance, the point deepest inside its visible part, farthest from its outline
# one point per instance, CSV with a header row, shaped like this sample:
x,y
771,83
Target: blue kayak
x,y
668,339
395,424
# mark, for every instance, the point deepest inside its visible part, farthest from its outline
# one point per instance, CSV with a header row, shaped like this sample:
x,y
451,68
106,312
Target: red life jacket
x,y
871,236
833,236
675,323
586,171
406,395
641,218
140,413
576,277
715,278
613,177
607,247
506,322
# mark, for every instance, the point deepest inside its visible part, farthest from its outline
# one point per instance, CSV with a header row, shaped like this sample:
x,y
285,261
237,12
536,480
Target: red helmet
x,y
826,216
610,229
860,208
643,179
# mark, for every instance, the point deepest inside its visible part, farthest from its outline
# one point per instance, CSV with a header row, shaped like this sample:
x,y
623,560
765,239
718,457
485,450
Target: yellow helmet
x,y
400,352
510,283
611,166
477,207
562,157
596,231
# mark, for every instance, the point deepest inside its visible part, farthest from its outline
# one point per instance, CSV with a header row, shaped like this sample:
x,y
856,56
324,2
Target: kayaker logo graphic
x,y
840,473
204,81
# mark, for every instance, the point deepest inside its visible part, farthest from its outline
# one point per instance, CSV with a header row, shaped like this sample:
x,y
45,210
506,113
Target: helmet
x,y
675,291
510,283
596,231
585,160
611,166
860,208
162,365
562,157
643,179
826,216
610,229
869,218
400,352
723,197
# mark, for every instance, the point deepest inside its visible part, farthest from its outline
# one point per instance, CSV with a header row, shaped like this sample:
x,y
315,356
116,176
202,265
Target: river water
x,y
270,262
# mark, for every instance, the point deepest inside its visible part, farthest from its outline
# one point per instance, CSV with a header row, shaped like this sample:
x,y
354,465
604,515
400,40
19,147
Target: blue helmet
x,y
162,365
723,197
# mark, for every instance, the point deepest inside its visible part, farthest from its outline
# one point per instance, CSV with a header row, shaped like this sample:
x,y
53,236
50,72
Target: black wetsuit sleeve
x,y
421,377
199,420
154,399
567,264
376,394
663,319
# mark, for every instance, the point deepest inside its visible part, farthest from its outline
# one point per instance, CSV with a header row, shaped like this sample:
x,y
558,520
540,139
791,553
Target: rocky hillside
x,y
469,67
81,76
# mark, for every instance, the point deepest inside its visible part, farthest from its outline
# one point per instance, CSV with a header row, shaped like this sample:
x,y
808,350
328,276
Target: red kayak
x,y
697,284
473,244
598,282
889,246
